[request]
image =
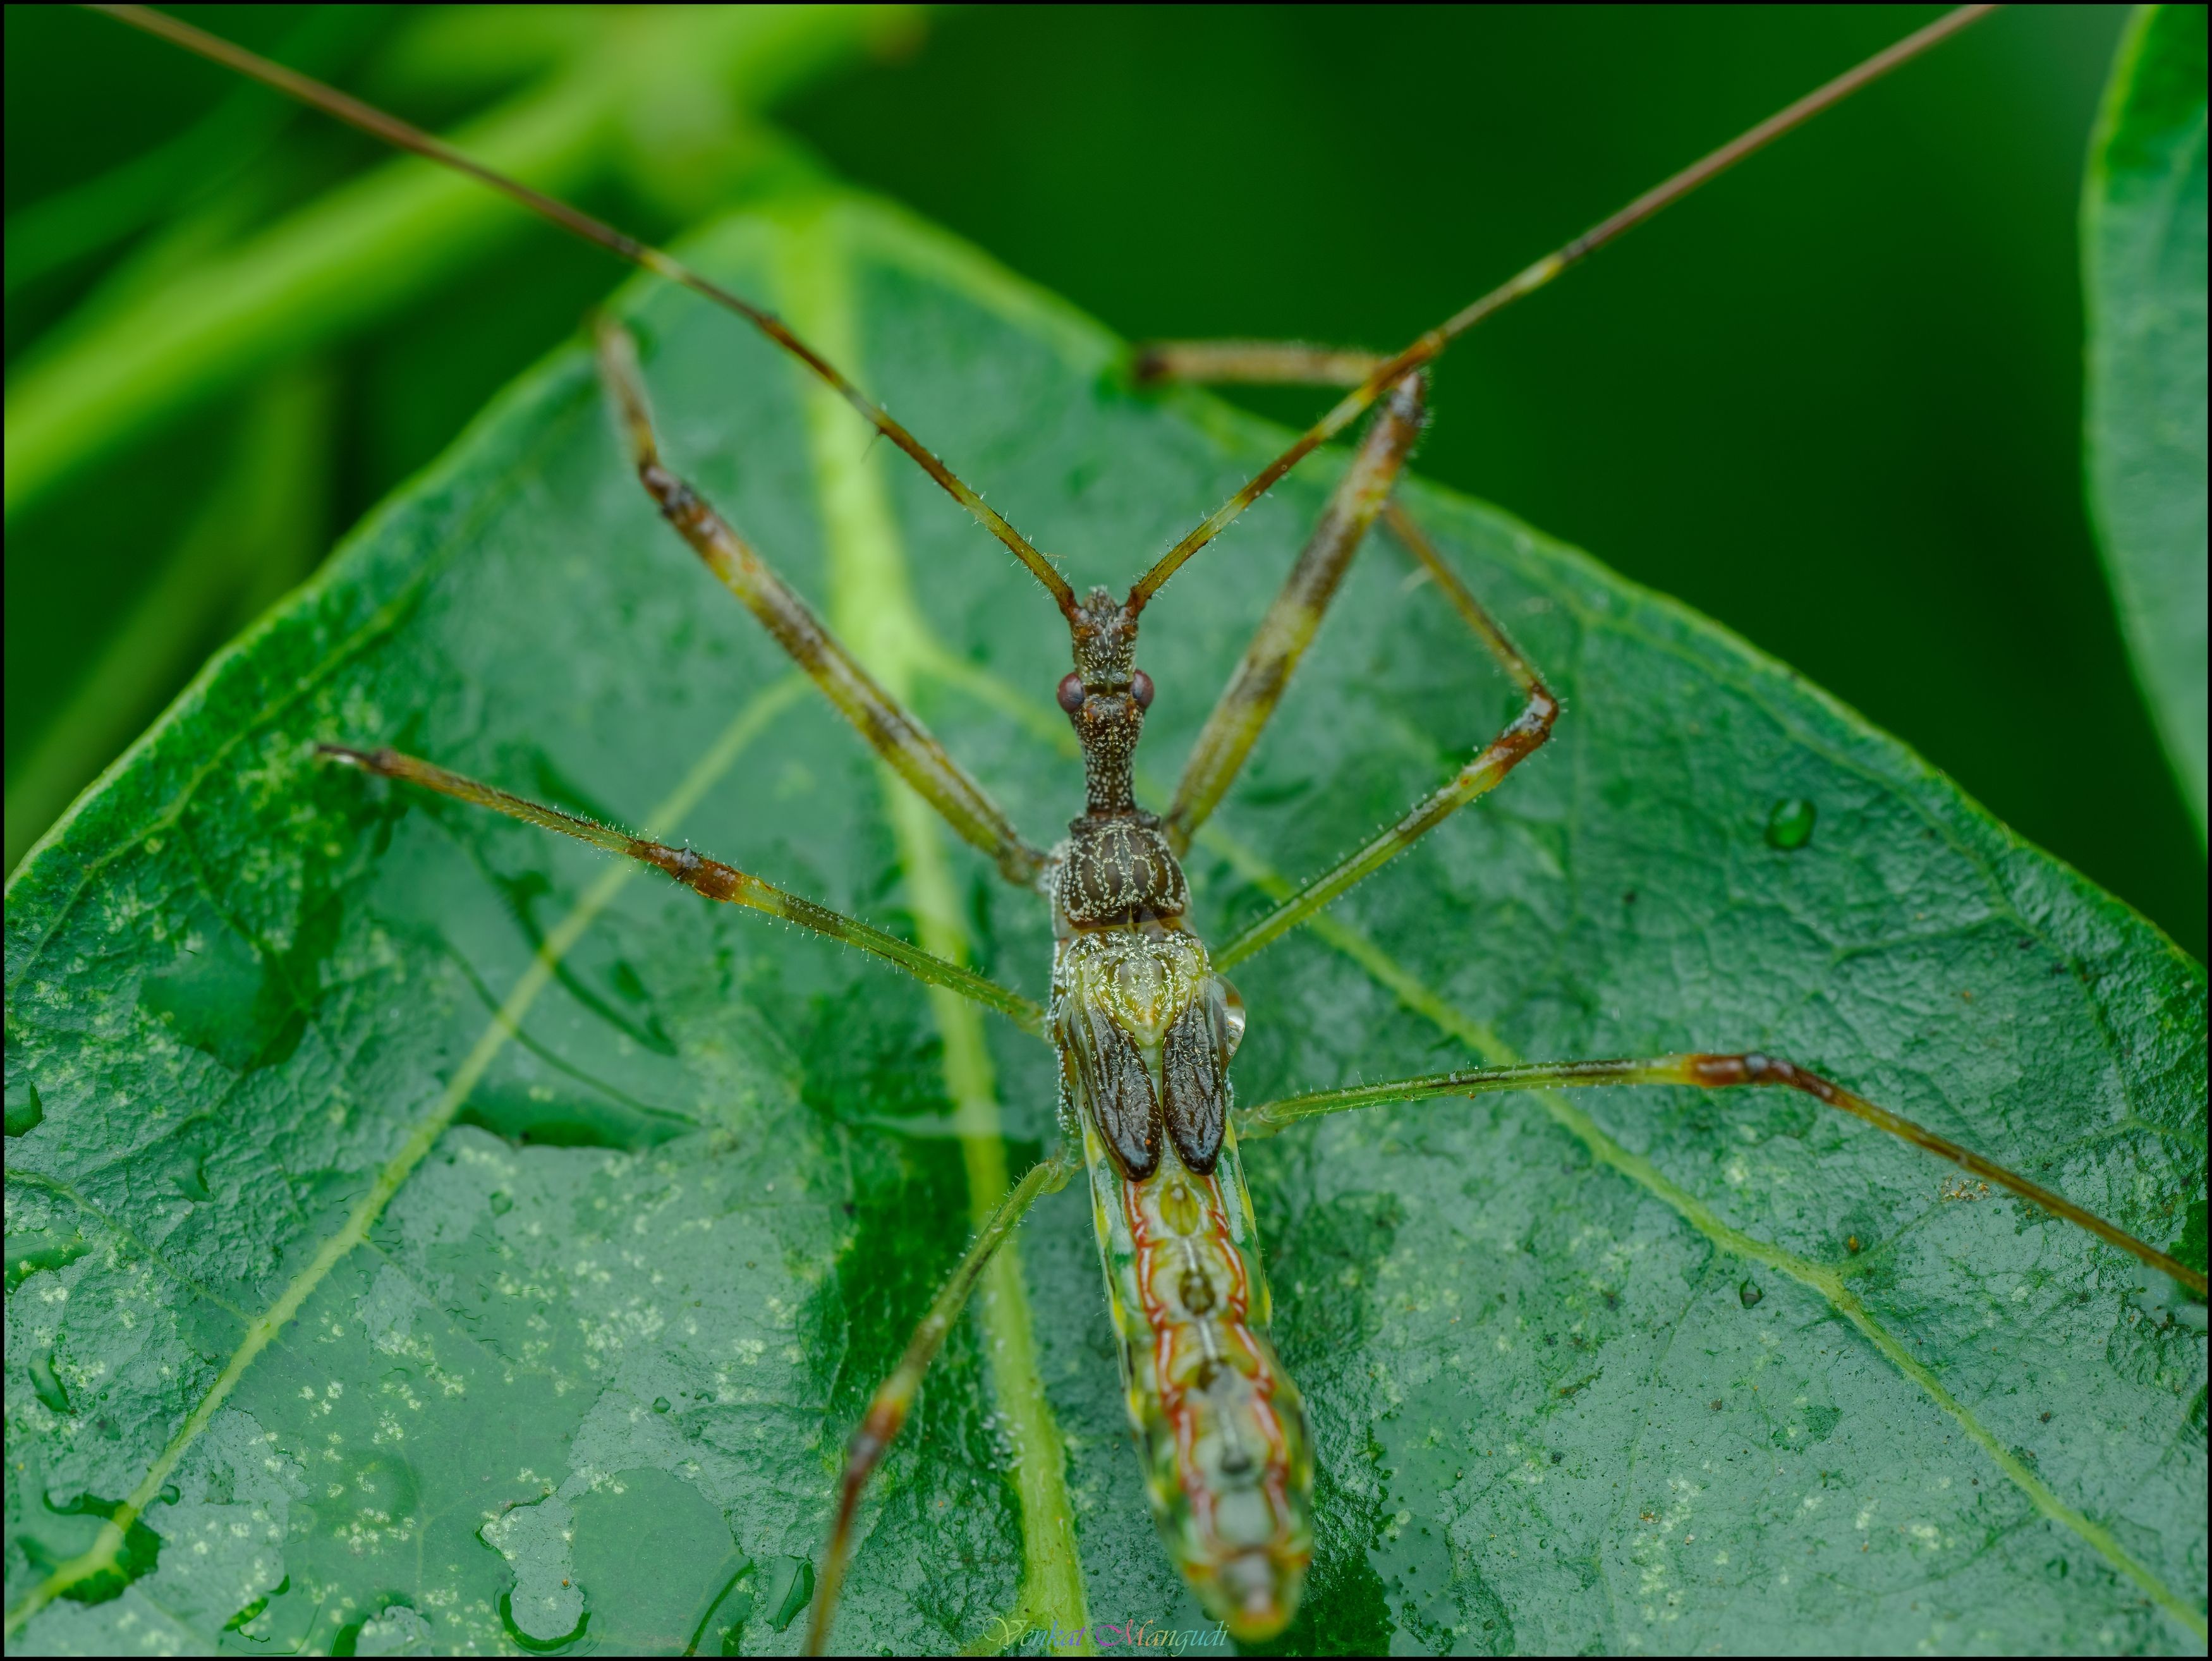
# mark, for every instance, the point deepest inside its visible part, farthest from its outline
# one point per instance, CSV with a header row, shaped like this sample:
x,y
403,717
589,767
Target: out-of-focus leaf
x,y
2143,267
261,531
360,251
445,1238
154,185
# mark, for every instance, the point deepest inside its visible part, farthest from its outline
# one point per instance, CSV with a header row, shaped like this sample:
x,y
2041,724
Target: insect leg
x,y
1429,346
1253,363
1707,1072
1249,699
1521,737
716,880
894,1397
390,129
891,731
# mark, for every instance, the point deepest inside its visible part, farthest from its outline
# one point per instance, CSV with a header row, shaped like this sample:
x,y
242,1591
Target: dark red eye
x,y
1140,687
1070,693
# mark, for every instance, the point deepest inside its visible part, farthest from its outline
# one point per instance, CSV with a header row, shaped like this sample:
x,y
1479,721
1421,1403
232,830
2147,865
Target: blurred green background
x,y
1833,400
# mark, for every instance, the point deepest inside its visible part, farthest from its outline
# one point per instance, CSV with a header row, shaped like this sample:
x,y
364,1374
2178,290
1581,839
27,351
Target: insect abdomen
x,y
1220,1429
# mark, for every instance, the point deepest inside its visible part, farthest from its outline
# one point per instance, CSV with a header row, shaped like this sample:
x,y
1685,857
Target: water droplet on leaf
x,y
33,1249
24,1108
221,996
538,1646
736,1611
48,1388
660,1404
188,1178
1790,823
137,1553
796,1596
1750,1293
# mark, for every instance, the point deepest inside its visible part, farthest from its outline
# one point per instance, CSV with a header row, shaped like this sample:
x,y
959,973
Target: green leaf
x,y
2143,271
474,1245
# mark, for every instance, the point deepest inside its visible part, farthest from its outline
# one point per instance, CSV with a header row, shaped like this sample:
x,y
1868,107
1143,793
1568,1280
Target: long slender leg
x,y
1288,629
716,880
1521,737
390,129
1429,345
1253,363
1379,380
892,733
1707,1072
894,1397
1258,685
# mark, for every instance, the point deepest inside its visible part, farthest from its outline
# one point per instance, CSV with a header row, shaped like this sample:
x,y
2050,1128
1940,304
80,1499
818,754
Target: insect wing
x,y
1115,1087
1194,1081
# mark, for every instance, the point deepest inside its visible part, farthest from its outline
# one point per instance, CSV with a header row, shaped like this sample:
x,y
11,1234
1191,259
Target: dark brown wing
x,y
1194,1068
1117,1089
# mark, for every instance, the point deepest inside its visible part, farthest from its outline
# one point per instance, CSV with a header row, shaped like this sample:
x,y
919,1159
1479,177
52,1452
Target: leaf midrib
x,y
873,608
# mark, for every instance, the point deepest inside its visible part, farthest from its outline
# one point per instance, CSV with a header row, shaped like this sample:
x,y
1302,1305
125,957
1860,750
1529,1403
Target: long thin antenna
x,y
401,136
1431,344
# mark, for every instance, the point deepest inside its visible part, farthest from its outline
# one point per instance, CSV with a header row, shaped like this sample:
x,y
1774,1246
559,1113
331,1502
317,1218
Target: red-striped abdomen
x,y
1220,1429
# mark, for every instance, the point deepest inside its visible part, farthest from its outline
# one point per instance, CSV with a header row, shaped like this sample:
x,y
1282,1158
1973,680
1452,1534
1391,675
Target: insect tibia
x,y
678,503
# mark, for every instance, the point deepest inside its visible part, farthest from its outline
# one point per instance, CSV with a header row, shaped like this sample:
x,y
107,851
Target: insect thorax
x,y
1142,1022
1118,870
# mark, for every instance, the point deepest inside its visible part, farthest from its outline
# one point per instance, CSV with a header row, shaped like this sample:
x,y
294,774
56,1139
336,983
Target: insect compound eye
x,y
1070,693
1140,687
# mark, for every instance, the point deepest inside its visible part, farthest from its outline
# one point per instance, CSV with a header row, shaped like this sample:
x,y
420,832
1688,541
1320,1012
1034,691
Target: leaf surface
x,y
448,1239
2143,265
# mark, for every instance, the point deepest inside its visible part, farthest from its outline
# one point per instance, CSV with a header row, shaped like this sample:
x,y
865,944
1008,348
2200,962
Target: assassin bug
x,y
1143,1022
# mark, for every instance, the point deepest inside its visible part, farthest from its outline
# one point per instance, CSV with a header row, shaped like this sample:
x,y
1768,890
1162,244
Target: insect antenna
x,y
401,135
1431,345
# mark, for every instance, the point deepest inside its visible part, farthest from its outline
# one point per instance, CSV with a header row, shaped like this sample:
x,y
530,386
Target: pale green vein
x,y
874,609
1484,1040
102,1556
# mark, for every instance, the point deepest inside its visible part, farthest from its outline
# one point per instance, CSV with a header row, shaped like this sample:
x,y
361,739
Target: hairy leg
x,y
1521,737
1264,674
1288,629
894,1398
1708,1072
890,730
716,880
1253,363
